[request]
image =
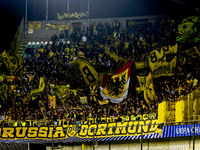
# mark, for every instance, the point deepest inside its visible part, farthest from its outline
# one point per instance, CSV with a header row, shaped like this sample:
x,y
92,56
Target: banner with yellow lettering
x,y
149,92
55,26
89,73
68,132
163,63
62,92
75,15
115,88
34,25
36,92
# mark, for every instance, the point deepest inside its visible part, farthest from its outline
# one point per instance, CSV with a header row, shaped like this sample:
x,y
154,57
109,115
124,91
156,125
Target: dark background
x,y
12,11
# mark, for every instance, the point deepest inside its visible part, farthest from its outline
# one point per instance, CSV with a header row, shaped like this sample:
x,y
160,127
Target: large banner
x,y
74,15
89,73
163,63
116,87
127,128
55,26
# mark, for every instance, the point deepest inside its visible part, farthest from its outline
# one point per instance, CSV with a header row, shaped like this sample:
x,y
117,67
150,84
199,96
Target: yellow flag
x,y
103,102
49,97
141,65
83,100
34,24
36,92
89,73
13,62
163,63
149,92
62,92
119,60
192,53
30,78
142,81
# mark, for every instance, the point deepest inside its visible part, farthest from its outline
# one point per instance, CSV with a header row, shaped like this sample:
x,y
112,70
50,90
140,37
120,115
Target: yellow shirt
x,y
126,45
195,81
12,87
67,50
116,44
67,26
41,50
51,54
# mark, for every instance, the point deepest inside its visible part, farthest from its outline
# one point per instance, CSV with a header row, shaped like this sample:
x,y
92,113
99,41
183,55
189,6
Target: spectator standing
x,y
78,120
55,117
54,37
62,36
66,29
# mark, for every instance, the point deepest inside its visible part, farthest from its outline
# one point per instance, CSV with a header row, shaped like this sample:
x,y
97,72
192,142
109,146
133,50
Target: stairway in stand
x,y
22,48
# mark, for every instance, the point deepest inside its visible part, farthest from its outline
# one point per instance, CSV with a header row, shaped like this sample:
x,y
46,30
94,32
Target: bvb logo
x,y
71,131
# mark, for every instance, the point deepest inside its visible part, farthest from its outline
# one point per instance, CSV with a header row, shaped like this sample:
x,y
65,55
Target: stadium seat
x,y
50,42
41,42
33,43
37,43
45,42
29,43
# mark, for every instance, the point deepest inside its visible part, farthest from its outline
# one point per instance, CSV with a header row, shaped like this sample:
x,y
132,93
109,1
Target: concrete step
x,y
20,52
24,43
21,49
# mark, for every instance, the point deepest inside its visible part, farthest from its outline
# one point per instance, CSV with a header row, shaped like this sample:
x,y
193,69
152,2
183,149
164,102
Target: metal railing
x,y
192,123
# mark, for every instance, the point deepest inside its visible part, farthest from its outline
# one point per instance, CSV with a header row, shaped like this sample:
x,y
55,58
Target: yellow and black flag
x,y
36,92
163,63
149,92
188,30
192,53
119,60
89,73
142,82
62,92
34,24
13,63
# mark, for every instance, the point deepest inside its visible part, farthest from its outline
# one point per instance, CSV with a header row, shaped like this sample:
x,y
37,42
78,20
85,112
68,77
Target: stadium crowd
x,y
133,43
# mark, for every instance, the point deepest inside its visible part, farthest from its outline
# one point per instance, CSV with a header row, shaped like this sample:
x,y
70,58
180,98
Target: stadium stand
x,y
135,43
